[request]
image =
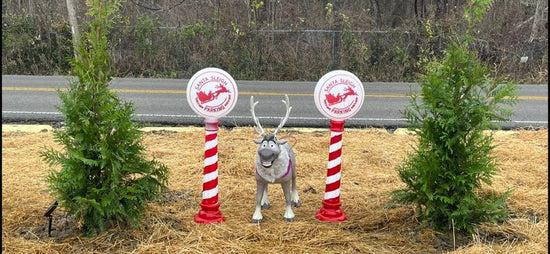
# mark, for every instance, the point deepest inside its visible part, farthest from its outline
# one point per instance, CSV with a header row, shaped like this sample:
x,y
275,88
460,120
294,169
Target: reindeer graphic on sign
x,y
331,99
210,96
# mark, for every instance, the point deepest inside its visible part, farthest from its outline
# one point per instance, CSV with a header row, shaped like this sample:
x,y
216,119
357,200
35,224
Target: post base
x,y
209,213
330,212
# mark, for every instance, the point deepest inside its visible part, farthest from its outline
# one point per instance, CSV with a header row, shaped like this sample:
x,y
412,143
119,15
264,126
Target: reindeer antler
x,y
258,128
283,121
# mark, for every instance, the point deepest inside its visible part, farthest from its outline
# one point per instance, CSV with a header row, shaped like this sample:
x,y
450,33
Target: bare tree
x,y
537,19
74,25
376,12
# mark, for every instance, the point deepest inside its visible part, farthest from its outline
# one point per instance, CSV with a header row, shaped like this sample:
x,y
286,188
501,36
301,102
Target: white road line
x,y
247,117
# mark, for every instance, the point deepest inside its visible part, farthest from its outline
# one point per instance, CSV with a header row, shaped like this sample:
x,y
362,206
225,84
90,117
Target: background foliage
x,y
279,39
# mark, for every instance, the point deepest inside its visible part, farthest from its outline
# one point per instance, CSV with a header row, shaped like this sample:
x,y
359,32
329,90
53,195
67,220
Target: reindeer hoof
x,y
266,206
254,221
289,219
297,203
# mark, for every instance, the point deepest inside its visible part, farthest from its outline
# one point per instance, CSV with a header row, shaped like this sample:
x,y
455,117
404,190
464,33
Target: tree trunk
x,y
376,10
537,20
74,25
336,35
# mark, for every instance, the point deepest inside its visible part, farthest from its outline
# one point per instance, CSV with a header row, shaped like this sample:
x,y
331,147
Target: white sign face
x,y
212,93
339,95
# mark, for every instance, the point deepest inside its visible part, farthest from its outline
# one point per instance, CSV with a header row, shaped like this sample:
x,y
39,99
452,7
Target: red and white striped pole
x,y
211,93
331,203
338,95
210,212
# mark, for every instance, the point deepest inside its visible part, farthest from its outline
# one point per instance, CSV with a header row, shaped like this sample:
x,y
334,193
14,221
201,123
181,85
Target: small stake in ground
x,y
338,95
48,214
211,93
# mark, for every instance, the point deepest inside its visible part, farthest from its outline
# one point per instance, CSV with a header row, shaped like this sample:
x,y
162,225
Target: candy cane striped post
x,y
331,203
210,212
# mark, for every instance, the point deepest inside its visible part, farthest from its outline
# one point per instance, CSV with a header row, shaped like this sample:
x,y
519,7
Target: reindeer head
x,y
269,146
350,91
221,89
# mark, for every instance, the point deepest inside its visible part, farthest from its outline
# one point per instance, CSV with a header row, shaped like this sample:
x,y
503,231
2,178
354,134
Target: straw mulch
x,y
373,225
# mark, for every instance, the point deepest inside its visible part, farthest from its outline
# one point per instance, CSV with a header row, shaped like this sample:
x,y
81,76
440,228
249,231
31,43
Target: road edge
x,y
38,128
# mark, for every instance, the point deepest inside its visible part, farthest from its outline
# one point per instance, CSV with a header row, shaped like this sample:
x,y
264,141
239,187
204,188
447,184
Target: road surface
x,y
163,102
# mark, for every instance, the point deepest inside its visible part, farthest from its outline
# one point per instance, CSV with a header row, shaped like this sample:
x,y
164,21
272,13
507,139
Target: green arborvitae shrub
x,y
104,176
446,172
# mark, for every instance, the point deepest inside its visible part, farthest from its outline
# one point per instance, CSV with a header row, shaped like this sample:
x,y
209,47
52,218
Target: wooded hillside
x,y
280,39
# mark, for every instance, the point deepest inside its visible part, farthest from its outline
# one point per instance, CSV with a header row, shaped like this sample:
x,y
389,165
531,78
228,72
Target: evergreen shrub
x,y
446,173
104,174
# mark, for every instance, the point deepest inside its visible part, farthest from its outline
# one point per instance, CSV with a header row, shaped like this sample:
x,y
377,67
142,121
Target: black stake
x,y
49,215
50,226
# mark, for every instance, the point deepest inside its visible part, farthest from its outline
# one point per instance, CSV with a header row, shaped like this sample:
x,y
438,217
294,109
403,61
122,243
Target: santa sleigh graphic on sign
x,y
204,97
330,99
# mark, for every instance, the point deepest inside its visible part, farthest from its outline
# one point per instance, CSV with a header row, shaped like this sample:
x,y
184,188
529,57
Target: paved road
x,y
163,101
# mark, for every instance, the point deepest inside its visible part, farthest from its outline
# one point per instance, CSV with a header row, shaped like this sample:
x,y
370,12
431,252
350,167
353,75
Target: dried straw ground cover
x,y
370,157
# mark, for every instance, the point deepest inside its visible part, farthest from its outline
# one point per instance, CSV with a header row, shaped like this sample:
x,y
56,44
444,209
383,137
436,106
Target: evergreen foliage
x,y
446,173
104,176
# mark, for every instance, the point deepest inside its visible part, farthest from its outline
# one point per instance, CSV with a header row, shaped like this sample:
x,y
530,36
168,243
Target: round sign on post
x,y
211,93
338,95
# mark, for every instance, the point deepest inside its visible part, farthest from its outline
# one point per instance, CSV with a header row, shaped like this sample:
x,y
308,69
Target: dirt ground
x,y
369,160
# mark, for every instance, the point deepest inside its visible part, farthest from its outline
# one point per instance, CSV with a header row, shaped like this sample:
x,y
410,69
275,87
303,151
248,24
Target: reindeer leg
x,y
265,199
260,189
289,214
295,199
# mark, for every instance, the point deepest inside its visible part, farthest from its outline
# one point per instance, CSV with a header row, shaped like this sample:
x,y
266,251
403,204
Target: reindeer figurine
x,y
275,163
